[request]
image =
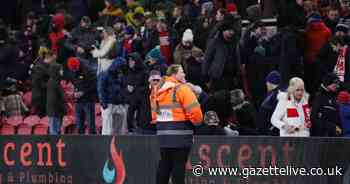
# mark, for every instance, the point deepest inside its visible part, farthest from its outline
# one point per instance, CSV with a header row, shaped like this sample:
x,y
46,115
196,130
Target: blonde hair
x,y
294,83
173,69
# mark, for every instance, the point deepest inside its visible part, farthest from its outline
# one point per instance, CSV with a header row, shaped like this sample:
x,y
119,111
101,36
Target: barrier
x,y
133,159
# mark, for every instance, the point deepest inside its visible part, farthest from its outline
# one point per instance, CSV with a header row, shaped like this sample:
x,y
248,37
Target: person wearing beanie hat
x,y
344,111
130,44
273,80
187,36
232,8
84,82
190,57
325,114
341,29
73,64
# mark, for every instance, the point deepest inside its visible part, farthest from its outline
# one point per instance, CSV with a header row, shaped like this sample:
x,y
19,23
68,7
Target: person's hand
x,y
289,128
130,88
78,94
338,130
80,50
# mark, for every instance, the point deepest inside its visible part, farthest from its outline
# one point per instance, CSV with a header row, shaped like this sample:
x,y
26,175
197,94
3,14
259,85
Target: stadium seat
x,y
7,129
42,128
15,120
24,129
32,120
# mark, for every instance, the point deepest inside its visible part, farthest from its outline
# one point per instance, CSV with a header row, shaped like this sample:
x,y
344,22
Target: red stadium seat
x,y
24,129
15,120
32,120
42,128
7,129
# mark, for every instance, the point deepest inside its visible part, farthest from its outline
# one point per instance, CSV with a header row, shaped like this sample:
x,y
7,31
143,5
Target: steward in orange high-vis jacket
x,y
176,111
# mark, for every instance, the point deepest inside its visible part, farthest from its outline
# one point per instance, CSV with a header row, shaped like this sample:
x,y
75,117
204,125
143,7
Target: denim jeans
x,y
55,125
85,111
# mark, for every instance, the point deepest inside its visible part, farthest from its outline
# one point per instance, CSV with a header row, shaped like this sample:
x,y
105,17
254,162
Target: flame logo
x,y
109,175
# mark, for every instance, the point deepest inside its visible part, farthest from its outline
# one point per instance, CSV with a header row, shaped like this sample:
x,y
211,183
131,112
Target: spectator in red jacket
x,y
164,41
316,35
57,33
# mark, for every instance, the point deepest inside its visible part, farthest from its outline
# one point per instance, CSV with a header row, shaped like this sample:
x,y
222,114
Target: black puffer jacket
x,y
137,76
324,114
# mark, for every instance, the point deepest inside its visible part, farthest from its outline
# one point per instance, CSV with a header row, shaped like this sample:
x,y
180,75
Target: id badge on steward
x,y
165,115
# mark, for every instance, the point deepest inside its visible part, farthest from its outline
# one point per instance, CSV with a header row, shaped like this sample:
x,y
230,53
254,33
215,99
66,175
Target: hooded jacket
x,y
137,76
55,105
58,35
112,84
316,35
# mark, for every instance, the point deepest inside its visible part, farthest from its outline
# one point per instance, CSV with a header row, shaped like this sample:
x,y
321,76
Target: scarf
x,y
339,68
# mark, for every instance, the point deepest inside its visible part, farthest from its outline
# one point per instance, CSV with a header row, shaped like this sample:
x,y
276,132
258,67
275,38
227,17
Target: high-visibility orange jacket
x,y
175,110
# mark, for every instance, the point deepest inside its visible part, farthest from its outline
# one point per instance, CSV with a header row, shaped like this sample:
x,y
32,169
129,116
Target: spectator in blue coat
x,y
344,110
111,91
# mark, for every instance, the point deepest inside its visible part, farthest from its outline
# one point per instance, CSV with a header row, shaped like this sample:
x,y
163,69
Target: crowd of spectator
x,y
95,65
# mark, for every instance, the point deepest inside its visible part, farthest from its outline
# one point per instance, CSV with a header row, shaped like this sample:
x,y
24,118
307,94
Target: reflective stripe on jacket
x,y
175,109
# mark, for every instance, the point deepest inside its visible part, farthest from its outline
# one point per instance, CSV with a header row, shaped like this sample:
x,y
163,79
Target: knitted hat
x,y
129,30
314,18
73,64
211,118
344,97
274,77
154,75
342,27
330,78
231,8
187,36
